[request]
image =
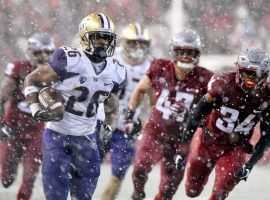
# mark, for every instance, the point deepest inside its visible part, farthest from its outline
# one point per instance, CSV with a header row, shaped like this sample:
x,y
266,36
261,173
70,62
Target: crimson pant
x,y
149,151
203,159
25,147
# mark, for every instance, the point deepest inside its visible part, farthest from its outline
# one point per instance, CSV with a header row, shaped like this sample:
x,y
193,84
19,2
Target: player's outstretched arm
x,y
138,93
39,78
259,149
111,109
203,108
8,87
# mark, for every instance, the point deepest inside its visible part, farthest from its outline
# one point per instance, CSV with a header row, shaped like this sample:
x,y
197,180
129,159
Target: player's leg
x,y
199,166
148,152
56,165
122,154
11,153
226,167
31,161
85,161
170,176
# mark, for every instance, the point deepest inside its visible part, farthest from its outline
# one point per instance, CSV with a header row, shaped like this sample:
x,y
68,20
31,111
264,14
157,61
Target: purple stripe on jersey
x,y
58,61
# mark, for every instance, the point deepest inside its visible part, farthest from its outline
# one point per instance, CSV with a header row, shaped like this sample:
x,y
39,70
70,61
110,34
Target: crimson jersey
x,y
169,91
17,111
236,112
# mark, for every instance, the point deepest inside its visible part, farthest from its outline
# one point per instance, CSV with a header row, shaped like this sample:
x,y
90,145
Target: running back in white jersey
x,y
83,87
134,74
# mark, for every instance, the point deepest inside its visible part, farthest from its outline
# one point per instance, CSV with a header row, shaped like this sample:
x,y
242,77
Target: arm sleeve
x,y
263,142
58,62
196,114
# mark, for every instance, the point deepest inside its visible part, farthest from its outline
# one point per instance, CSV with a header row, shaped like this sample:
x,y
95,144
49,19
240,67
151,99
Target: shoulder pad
x,y
73,55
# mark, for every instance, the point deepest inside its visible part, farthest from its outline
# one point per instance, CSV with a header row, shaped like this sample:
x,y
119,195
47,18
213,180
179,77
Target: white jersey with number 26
x,y
83,87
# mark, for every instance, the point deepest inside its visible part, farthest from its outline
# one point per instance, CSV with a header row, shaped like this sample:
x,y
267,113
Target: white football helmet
x,y
39,47
186,47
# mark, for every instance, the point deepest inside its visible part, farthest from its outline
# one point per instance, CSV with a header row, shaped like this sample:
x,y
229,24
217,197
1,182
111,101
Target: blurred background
x,y
226,26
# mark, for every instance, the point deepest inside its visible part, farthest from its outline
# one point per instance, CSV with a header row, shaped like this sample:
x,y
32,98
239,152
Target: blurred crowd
x,y
226,25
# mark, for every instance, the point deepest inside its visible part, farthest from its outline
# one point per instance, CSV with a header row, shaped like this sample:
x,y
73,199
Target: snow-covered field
x,y
256,188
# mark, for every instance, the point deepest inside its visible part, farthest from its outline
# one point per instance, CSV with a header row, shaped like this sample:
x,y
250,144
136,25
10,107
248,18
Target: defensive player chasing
x,y
134,53
21,135
177,86
234,104
85,77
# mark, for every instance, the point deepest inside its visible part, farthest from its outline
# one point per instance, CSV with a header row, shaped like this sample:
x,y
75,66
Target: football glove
x,y
105,133
6,133
243,172
46,116
42,114
178,109
131,128
180,161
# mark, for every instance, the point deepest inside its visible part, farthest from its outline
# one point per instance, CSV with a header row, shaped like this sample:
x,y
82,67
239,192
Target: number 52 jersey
x,y
83,87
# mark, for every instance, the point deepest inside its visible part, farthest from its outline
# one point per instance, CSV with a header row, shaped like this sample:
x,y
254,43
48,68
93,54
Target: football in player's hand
x,y
52,100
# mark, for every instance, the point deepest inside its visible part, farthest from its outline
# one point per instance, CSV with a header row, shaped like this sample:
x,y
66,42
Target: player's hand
x,y
180,161
178,109
243,172
131,128
180,157
105,133
43,115
6,133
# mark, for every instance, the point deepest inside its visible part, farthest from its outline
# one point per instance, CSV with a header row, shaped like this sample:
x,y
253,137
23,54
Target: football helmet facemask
x,y
97,36
252,69
39,47
186,47
135,42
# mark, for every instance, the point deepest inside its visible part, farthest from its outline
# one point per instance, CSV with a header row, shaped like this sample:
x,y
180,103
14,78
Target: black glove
x,y
136,129
243,172
46,115
6,133
180,161
105,133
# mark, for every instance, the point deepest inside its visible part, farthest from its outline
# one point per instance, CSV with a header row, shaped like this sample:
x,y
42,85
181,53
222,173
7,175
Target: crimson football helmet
x,y
39,47
135,42
252,69
97,36
186,47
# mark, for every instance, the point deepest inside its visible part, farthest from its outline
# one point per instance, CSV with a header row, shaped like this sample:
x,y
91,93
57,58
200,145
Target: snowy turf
x,y
256,188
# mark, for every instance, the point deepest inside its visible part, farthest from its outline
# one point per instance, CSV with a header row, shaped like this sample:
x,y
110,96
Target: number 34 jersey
x,y
173,98
236,112
83,87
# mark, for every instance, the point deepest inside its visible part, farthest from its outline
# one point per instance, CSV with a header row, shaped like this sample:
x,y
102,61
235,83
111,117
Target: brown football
x,y
52,99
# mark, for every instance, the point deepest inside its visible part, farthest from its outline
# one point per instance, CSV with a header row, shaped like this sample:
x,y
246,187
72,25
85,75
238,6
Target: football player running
x,y
134,54
20,134
85,77
177,85
235,102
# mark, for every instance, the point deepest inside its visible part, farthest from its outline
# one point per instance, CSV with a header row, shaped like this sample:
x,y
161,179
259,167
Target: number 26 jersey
x,y
83,87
